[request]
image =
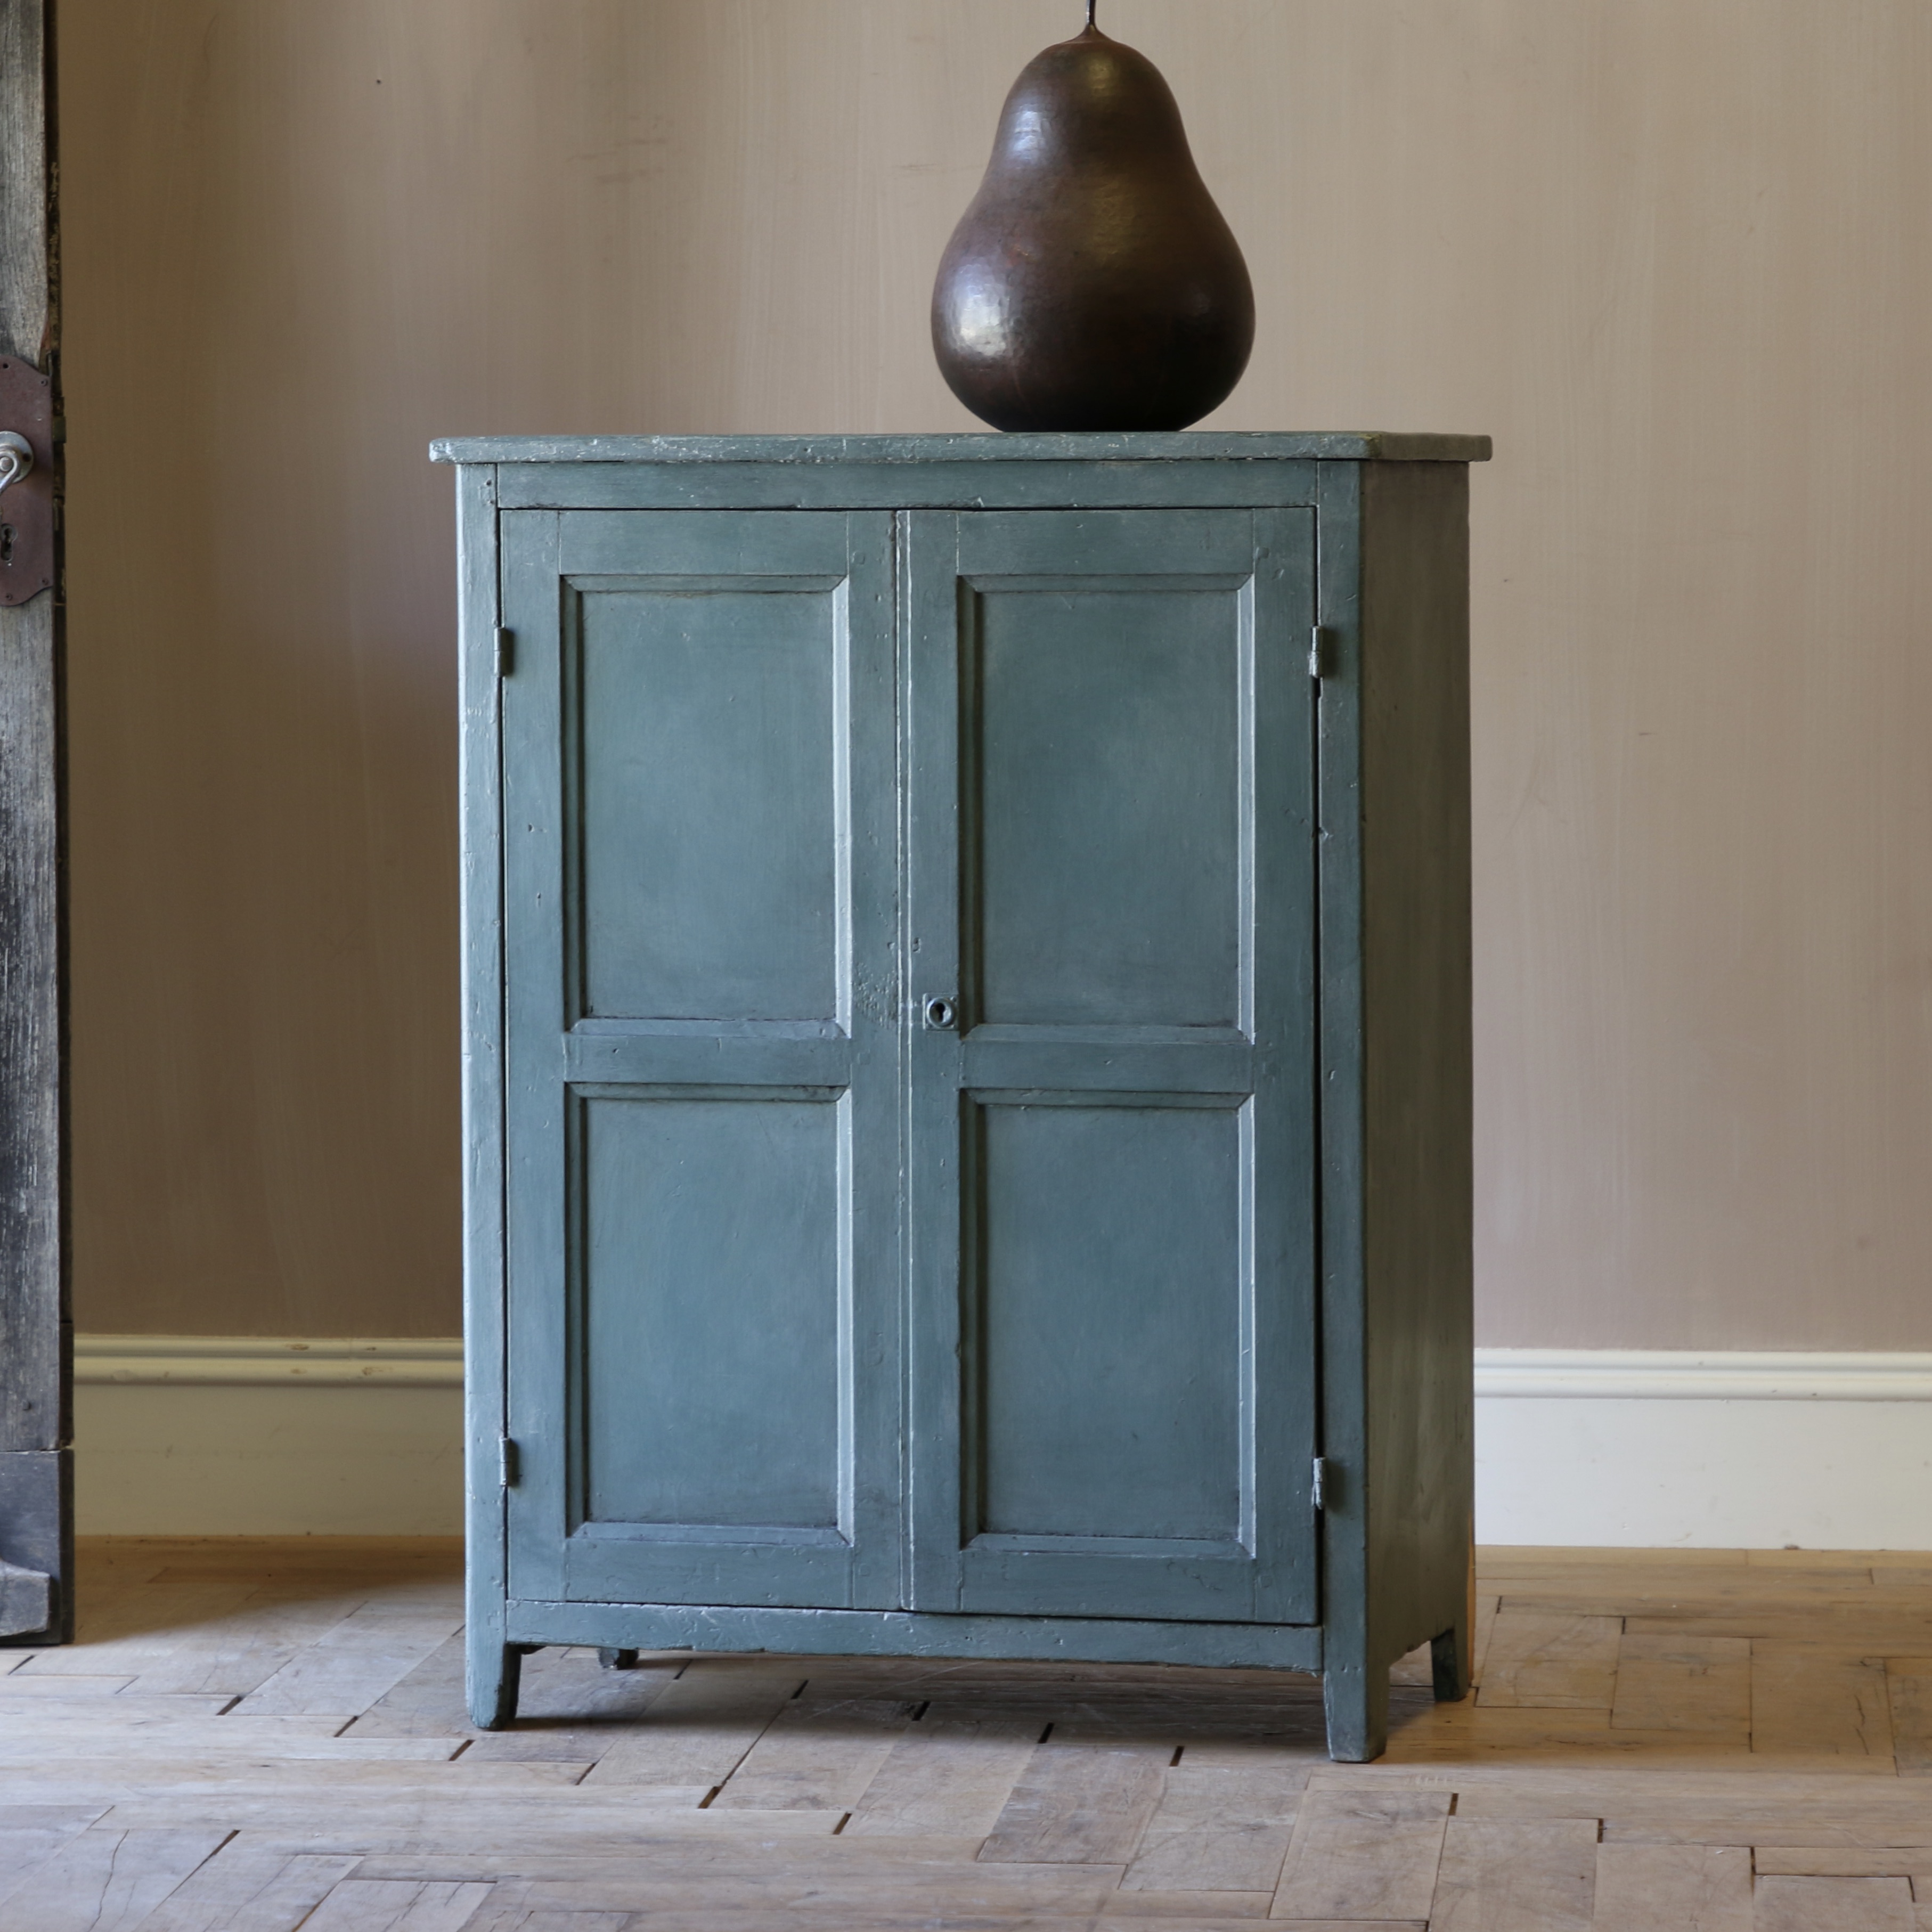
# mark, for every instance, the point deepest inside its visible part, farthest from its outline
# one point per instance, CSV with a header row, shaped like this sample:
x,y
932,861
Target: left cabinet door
x,y
702,1054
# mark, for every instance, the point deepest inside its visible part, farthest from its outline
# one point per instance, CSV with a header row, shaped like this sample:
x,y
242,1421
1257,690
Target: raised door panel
x,y
1111,1151
1107,868
704,1125
711,828
1109,1277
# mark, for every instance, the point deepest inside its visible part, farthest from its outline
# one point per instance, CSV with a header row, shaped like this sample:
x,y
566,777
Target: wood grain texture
x,y
1077,1804
1646,1888
818,1755
248,1887
1511,1877
1806,1699
948,1775
1367,1855
1834,1905
36,1528
178,1812
1691,1684
1219,1829
1909,1691
1551,1662
108,1881
27,294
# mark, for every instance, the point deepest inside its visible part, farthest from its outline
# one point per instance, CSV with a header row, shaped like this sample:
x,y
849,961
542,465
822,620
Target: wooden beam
x,y
36,1517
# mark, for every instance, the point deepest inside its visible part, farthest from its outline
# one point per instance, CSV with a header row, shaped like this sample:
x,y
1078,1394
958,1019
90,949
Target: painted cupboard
x,y
968,1050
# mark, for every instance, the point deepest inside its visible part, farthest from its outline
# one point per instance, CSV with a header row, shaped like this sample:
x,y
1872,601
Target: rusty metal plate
x,y
27,507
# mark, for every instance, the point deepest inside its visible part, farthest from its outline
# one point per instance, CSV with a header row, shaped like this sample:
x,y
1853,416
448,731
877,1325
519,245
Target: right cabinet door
x,y
1111,953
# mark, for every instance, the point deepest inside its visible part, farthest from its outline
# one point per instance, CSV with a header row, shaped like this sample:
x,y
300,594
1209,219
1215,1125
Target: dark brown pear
x,y
1092,284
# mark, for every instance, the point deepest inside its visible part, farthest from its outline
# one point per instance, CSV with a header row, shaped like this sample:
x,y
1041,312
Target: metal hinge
x,y
1319,1486
506,653
512,1469
1318,654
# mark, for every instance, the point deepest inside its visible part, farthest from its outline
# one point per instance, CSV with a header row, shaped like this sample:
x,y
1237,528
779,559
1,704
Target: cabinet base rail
x,y
811,1632
1356,1696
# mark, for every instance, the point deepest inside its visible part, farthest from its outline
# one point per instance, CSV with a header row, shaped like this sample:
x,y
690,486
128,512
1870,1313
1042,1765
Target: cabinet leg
x,y
1450,1654
618,1659
1357,1703
495,1677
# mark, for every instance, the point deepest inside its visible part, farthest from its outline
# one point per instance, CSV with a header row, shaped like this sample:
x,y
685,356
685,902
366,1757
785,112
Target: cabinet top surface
x,y
1182,446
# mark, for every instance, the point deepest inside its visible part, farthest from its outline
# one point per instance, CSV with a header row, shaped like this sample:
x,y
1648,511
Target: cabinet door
x,y
1112,1159
700,906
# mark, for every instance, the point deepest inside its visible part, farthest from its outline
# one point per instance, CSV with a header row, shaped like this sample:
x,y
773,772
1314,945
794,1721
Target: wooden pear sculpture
x,y
1092,284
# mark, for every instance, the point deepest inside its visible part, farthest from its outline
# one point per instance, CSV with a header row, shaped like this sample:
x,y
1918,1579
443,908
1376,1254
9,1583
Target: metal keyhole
x,y
941,1016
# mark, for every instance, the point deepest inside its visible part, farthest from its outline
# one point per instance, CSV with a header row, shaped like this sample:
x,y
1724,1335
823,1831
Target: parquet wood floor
x,y
255,1736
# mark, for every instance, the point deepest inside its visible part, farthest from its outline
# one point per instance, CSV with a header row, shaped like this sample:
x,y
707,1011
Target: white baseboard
x,y
231,1436
239,1436
1657,1449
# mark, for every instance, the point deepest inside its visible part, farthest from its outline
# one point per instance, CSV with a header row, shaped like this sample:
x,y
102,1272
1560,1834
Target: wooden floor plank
x,y
1684,1684
131,1634
908,1897
1500,1875
1487,1604
1808,1702
946,1774
489,1824
250,1887
1078,1804
513,1918
248,1739
577,1921
1743,1709
701,1726
394,1905
102,1880
1551,1662
817,1756
220,1780
1672,1888
1218,1829
1363,1855
745,1847
352,1664
571,1709
1909,1696
1914,1862
1834,1905
30,1835
20,1688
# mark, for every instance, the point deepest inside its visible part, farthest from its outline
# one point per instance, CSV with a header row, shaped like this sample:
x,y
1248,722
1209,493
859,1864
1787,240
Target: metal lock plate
x,y
27,504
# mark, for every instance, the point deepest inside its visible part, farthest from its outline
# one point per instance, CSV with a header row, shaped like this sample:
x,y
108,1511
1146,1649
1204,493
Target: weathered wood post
x,y
36,1476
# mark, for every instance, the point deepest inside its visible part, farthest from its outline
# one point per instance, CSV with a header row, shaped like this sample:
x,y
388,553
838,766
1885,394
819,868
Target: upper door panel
x,y
712,810
1104,790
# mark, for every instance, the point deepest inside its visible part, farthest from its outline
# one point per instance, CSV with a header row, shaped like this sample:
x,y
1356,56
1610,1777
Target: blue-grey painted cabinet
x,y
966,1010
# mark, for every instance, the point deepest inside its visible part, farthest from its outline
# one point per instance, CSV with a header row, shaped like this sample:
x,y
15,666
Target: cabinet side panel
x,y
482,883
1418,1336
